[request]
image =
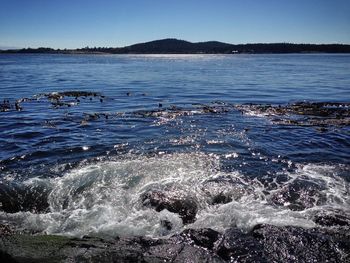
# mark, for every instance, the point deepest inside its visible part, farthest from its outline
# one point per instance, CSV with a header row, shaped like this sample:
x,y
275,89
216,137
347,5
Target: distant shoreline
x,y
175,46
104,53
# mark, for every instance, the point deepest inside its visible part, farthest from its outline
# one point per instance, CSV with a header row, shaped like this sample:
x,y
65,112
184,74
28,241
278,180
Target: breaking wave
x,y
104,198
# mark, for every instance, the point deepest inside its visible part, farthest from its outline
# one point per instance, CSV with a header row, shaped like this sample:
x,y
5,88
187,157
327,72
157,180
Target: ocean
x,y
87,141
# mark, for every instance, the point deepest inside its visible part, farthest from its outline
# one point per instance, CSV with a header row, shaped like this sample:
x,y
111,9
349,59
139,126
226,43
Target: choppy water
x,y
81,167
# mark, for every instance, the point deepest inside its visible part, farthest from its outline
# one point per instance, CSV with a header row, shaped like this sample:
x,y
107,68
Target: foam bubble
x,y
104,198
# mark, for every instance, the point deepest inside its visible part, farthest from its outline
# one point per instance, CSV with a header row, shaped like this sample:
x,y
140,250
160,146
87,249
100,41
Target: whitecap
x,y
104,198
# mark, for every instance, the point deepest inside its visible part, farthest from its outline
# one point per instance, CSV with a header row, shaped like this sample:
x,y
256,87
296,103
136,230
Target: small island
x,y
176,46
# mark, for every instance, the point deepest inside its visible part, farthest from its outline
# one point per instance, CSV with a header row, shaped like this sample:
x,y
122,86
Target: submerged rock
x,y
5,106
223,190
174,202
166,224
56,99
299,195
303,113
318,114
75,94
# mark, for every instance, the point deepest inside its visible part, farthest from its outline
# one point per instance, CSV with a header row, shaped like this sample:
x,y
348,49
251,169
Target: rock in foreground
x,y
265,243
175,202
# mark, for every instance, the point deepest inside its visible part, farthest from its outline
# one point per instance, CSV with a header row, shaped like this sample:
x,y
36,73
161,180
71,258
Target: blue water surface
x,y
80,167
41,134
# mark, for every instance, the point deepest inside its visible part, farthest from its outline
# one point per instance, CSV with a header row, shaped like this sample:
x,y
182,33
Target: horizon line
x,y
9,48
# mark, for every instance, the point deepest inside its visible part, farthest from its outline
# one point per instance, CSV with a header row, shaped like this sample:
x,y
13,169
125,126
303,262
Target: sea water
x,y
81,167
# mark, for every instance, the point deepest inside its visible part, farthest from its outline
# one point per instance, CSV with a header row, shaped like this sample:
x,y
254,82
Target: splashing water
x,y
104,198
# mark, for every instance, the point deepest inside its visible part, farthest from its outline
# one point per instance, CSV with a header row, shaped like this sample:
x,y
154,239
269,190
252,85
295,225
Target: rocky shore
x,y
264,243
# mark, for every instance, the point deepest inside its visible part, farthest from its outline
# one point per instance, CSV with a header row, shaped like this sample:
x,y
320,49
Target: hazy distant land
x,y
175,46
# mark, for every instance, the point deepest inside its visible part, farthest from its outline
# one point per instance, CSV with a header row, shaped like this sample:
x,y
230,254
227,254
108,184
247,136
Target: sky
x,y
118,23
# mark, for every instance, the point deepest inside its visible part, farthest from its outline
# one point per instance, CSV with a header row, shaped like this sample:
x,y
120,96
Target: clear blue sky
x,y
79,23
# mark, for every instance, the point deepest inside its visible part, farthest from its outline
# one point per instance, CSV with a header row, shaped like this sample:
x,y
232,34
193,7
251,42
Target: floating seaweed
x,y
302,113
5,105
319,114
57,99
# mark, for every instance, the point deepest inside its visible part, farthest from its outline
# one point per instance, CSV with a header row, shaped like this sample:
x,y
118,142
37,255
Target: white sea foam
x,y
104,198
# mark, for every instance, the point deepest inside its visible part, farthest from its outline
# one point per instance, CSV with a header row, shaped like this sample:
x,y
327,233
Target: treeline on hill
x,y
175,46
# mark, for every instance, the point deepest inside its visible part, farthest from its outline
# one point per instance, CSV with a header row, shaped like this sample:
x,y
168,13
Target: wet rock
x,y
25,248
337,219
4,257
6,230
299,195
273,182
221,198
265,243
16,198
191,254
236,246
192,245
179,252
166,224
223,190
174,202
166,252
205,237
296,244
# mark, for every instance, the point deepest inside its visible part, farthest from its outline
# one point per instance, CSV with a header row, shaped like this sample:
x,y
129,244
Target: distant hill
x,y
176,46
214,47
